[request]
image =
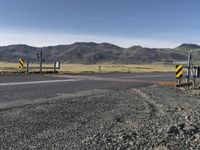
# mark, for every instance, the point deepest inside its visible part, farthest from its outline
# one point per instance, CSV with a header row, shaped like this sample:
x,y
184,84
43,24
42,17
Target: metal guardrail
x,y
192,71
40,57
41,67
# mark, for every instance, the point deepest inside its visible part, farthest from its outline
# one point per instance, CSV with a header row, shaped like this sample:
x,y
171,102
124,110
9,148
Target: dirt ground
x,y
153,117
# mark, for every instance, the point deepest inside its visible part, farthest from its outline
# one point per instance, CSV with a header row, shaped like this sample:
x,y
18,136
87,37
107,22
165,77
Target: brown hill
x,y
89,53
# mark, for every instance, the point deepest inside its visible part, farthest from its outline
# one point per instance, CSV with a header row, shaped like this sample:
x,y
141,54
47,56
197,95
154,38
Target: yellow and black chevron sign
x,y
179,71
21,63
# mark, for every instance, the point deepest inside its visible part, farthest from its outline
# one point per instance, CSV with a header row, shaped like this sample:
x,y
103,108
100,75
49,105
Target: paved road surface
x,y
14,87
97,111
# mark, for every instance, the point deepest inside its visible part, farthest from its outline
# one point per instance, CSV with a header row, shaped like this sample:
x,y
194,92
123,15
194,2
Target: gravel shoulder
x,y
153,117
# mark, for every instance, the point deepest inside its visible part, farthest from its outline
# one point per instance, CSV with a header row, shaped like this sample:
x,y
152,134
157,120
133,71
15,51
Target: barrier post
x,y
179,74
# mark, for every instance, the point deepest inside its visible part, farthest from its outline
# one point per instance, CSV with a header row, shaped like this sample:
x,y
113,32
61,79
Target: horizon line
x,y
94,43
45,39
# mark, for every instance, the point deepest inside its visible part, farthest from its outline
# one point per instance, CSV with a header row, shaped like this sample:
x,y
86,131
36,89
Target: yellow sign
x,y
21,63
179,71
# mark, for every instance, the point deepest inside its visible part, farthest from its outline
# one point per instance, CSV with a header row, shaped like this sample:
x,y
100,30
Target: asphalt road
x,y
15,87
97,111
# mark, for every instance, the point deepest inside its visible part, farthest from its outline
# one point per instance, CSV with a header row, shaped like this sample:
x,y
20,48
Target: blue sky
x,y
152,23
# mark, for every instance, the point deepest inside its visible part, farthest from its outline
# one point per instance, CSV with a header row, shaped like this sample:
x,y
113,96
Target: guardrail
x,y
26,66
192,73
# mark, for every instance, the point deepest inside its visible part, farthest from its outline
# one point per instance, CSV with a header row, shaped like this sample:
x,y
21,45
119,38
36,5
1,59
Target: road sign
x,y
179,71
57,64
21,63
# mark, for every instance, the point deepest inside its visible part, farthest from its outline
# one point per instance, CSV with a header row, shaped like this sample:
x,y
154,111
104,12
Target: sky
x,y
149,23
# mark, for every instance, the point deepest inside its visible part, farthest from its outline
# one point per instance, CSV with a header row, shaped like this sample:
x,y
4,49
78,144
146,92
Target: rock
x,y
187,117
127,137
181,126
197,137
119,119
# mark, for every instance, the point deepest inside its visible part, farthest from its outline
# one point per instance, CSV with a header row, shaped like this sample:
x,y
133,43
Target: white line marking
x,y
37,82
138,79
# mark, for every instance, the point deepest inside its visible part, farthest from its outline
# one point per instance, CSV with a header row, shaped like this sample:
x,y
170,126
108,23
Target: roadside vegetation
x,y
94,68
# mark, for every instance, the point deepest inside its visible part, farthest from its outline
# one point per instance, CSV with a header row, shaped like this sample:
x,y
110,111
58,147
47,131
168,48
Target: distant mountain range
x,y
90,53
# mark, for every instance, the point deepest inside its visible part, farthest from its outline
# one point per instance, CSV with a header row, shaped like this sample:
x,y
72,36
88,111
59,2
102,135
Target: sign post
x,y
27,67
189,68
40,62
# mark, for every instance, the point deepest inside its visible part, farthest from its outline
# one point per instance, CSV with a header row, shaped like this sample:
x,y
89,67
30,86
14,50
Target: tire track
x,y
155,108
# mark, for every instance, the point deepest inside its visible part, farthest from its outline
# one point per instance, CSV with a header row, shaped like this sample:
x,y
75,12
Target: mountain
x,y
188,47
90,53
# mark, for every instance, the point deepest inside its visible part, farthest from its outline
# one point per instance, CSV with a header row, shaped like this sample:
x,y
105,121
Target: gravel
x,y
154,117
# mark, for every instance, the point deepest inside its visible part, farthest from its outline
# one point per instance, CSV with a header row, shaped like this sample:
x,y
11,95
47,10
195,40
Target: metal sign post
x,y
40,62
189,71
27,67
99,68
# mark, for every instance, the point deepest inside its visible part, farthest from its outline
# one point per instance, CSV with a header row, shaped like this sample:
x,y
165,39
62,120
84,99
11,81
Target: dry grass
x,y
6,66
105,68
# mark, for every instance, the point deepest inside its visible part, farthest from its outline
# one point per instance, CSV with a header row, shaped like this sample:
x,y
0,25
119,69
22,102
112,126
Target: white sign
x,y
58,64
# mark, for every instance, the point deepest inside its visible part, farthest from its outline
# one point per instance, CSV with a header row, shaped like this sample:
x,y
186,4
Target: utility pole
x,y
54,67
41,62
27,67
189,68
